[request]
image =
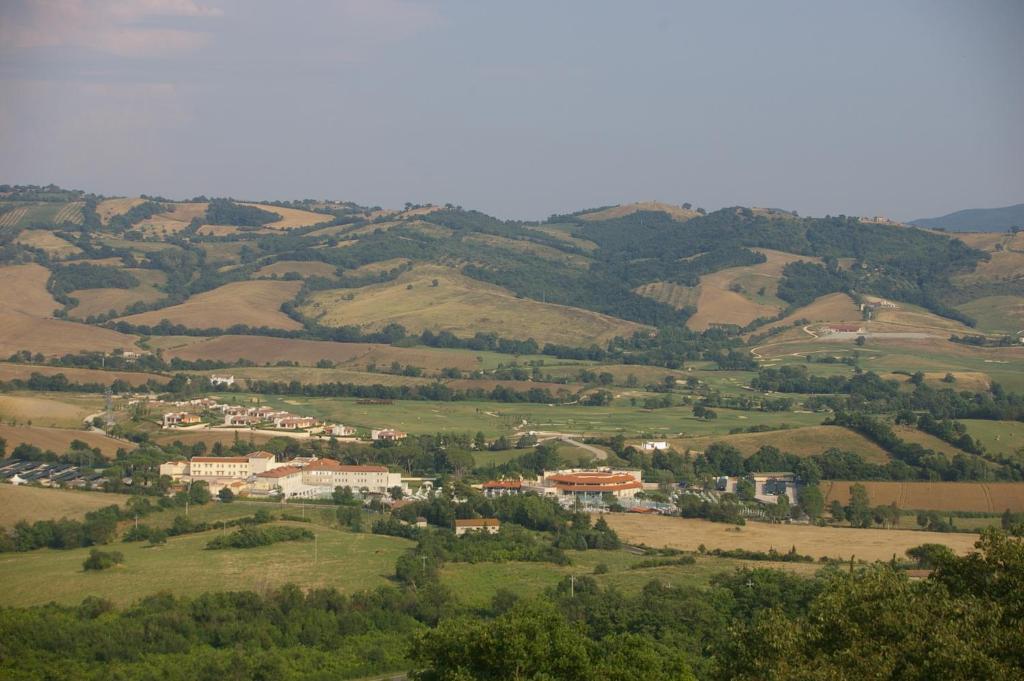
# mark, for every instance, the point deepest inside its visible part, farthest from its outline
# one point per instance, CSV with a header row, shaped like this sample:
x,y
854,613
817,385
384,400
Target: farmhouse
x,y
340,431
488,525
294,422
502,488
655,446
180,418
592,484
225,381
387,435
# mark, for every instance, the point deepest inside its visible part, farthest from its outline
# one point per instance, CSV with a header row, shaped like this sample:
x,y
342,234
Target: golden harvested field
x,y
912,318
55,337
835,307
25,323
462,306
987,497
97,301
23,289
676,295
292,217
209,438
312,375
255,303
66,411
109,208
311,268
46,240
677,212
264,349
9,371
59,440
18,502
1003,266
800,441
718,304
835,542
172,221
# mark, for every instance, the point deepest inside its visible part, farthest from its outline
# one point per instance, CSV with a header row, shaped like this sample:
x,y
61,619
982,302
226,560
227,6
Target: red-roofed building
x,y
593,484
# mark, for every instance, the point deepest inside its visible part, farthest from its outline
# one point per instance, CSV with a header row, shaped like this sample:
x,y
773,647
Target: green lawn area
x,y
1005,437
346,561
476,583
496,418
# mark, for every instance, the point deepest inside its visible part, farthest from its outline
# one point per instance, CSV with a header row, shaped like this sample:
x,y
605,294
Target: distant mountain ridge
x,y
977,220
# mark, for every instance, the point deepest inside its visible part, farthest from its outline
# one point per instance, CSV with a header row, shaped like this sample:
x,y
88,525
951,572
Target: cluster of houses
x,y
574,485
188,414
261,474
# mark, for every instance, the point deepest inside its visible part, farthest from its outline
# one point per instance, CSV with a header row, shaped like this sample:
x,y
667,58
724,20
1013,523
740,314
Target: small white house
x,y
223,381
655,445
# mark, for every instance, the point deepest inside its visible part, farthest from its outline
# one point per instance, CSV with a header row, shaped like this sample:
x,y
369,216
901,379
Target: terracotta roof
x,y
503,484
478,522
281,472
595,478
332,465
220,459
617,487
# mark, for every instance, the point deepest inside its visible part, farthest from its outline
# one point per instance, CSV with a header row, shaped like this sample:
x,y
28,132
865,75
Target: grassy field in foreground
x,y
476,583
495,418
18,502
346,561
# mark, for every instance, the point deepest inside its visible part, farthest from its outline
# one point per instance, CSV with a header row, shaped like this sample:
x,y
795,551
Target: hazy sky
x,y
521,108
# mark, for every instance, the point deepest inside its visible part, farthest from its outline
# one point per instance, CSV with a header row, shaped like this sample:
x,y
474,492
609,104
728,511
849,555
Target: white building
x,y
320,477
224,381
387,435
339,430
654,445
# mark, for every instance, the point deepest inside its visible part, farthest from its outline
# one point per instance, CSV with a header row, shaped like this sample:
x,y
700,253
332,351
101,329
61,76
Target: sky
x,y
522,109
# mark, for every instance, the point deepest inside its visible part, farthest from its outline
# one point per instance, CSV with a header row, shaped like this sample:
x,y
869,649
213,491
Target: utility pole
x,y
572,586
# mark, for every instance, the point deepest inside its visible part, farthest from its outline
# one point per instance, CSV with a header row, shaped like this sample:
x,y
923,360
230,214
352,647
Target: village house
x,y
488,525
339,430
654,446
387,435
294,422
240,420
180,418
223,381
